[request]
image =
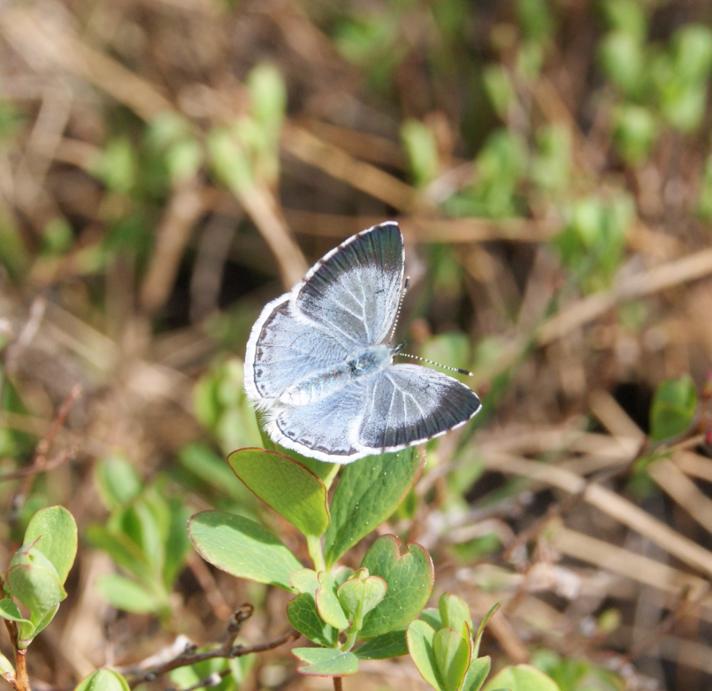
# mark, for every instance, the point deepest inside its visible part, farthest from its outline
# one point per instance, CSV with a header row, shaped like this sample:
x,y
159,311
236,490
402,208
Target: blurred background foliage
x,y
167,167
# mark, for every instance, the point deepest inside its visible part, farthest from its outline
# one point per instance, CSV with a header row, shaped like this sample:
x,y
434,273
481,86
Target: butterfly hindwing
x,y
410,404
327,429
399,407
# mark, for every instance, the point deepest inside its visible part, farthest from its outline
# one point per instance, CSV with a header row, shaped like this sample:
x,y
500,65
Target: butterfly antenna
x,y
404,290
459,370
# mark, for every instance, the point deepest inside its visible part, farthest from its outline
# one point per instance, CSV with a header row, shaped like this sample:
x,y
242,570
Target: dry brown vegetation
x,y
129,269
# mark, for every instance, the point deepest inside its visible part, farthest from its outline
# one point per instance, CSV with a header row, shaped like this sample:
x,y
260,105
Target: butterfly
x,y
319,361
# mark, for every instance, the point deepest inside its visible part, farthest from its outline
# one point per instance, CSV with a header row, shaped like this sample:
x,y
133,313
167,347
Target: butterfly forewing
x,y
285,348
355,289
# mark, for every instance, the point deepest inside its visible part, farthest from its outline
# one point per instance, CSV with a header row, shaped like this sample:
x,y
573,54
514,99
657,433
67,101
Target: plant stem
x,y
329,478
338,686
315,552
350,639
22,680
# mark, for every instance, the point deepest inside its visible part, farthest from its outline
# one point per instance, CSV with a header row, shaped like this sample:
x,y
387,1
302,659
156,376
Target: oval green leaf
x,y
117,481
388,645
477,674
521,678
420,646
103,680
360,594
409,576
326,662
454,612
327,603
33,581
242,547
452,655
284,485
128,595
53,532
303,616
369,491
673,408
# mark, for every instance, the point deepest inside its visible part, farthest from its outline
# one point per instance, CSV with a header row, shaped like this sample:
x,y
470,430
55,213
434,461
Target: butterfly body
x,y
319,385
319,363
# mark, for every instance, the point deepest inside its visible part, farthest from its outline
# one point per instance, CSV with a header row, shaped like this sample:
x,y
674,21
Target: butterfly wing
x,y
402,406
283,348
327,429
409,404
354,290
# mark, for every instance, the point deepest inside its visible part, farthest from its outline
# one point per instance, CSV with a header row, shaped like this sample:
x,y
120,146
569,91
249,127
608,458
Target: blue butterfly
x,y
319,361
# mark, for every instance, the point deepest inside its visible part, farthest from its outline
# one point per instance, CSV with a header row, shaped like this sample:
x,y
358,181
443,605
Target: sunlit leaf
x,y
242,547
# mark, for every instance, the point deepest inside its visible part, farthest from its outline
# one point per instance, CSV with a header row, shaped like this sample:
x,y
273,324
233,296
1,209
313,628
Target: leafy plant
x,y
593,239
34,584
673,408
144,535
348,614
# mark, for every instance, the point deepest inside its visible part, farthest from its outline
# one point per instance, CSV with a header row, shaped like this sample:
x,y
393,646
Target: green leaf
x,y
305,581
454,612
328,662
692,50
360,594
210,468
623,60
304,617
327,603
477,674
422,150
54,533
117,480
120,548
410,581
673,408
369,491
482,626
420,636
117,166
521,678
592,242
535,18
103,680
452,651
9,611
233,673
286,486
634,133
32,579
628,16
143,526
268,97
391,644
242,547
229,160
499,89
175,540
128,595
